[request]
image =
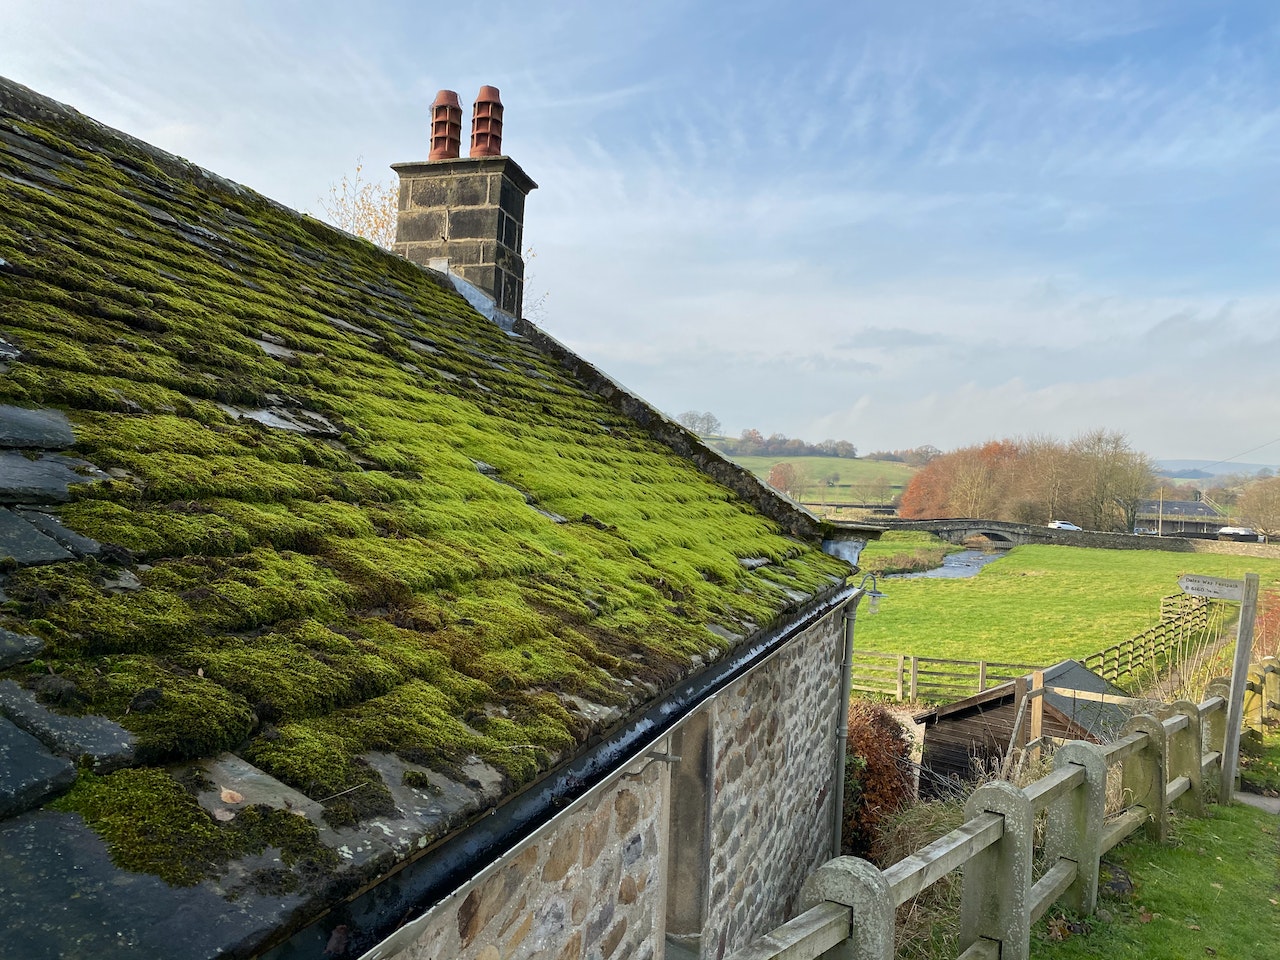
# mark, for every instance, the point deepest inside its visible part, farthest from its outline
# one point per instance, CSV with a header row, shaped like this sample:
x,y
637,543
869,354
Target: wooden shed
x,y
966,739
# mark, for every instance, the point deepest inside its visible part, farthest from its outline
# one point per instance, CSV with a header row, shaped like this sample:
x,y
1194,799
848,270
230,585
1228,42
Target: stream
x,y
966,563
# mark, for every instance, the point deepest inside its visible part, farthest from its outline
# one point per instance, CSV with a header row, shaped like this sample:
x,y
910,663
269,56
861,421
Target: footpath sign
x,y
1215,588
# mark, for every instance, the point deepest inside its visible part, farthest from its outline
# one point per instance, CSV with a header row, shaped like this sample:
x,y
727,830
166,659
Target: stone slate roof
x,y
304,565
1178,509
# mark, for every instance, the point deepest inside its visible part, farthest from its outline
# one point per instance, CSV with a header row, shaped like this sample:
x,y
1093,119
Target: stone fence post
x,y
860,886
995,895
1074,822
1143,775
1184,757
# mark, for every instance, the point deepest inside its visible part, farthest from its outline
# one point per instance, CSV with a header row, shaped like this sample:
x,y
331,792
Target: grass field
x,y
1040,603
861,481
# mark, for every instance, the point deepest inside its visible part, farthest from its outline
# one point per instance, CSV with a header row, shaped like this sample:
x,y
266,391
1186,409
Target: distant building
x,y
1178,517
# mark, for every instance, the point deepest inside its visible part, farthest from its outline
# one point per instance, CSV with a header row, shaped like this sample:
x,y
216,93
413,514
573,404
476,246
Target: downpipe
x,y
849,616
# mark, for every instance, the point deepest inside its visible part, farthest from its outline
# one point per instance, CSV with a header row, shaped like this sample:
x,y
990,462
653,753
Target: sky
x,y
897,224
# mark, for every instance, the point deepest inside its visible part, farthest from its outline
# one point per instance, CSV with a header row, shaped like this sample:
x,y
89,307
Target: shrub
x,y
879,779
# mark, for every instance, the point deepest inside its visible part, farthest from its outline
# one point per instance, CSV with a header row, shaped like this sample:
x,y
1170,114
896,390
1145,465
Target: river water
x,y
966,563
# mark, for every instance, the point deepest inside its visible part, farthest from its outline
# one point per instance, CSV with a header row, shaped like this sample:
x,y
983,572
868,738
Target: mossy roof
x,y
341,514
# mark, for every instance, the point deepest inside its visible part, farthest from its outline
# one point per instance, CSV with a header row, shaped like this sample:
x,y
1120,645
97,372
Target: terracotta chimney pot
x,y
446,126
486,124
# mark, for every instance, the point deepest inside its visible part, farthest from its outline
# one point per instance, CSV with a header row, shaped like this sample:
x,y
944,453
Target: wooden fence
x,y
1162,762
931,678
1183,619
1169,640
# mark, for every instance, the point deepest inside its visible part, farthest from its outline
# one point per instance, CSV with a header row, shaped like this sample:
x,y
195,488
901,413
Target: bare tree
x,y
366,208
704,424
1259,505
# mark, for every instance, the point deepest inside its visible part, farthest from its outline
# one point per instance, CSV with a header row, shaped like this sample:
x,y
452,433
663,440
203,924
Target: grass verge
x,y
1213,892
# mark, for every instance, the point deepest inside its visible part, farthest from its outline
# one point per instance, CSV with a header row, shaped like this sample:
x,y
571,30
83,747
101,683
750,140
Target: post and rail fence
x,y
1164,760
904,677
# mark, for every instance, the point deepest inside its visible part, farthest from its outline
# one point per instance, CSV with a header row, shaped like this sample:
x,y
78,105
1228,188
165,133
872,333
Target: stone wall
x,y
723,845
593,887
770,819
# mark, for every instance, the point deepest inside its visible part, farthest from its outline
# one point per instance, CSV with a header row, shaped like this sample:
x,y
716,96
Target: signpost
x,y
1215,588
1246,593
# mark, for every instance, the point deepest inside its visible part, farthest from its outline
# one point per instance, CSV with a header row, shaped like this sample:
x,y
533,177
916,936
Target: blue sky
x,y
895,224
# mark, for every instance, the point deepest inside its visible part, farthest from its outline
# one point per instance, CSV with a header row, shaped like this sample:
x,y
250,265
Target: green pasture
x,y
1040,604
861,481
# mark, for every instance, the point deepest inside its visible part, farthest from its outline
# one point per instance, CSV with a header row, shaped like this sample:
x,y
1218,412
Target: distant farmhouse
x,y
339,620
1178,517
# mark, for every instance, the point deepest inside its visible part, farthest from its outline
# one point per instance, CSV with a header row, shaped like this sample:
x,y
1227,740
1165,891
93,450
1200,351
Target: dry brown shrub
x,y
879,779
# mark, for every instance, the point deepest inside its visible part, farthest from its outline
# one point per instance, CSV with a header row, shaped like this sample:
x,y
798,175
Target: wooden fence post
x,y
860,886
915,678
1184,757
995,895
902,663
982,675
1143,775
1037,712
1074,828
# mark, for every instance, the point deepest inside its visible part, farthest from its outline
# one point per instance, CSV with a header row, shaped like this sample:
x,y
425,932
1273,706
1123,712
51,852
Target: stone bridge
x,y
1002,533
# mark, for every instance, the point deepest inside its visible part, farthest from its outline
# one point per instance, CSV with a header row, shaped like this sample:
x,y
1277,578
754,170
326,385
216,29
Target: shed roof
x,y
306,564
1096,718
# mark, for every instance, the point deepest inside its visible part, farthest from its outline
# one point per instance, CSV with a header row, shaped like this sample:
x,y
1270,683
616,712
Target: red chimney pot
x,y
486,123
446,126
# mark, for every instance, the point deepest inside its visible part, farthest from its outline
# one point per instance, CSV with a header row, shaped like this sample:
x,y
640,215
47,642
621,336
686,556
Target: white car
x,y
1062,525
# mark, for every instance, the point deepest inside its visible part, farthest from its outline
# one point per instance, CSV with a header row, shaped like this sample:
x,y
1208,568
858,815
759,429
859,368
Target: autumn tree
x,y
1259,505
367,208
783,476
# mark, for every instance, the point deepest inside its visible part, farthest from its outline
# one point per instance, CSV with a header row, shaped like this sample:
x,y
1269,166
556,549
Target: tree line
x,y
1096,480
752,443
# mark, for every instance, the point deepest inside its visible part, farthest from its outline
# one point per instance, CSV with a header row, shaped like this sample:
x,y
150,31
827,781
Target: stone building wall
x,y
715,852
593,887
770,816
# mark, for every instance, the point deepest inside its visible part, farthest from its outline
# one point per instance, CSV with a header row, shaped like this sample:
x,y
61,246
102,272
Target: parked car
x,y
1238,533
1063,525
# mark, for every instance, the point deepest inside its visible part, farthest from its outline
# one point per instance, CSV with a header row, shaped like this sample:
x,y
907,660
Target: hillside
x,y
860,481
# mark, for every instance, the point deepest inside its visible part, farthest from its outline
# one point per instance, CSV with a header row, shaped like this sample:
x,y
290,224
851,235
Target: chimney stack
x,y
465,215
446,126
486,124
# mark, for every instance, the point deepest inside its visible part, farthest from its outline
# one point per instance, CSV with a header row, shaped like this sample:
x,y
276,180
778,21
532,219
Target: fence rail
x,y
905,677
1163,761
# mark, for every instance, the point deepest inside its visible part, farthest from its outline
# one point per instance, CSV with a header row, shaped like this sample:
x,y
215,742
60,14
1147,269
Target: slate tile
x,y
42,429
51,526
16,648
26,545
29,773
46,479
65,898
103,743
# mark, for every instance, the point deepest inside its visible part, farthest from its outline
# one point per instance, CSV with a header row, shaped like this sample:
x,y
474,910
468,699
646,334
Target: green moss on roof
x,y
309,597
151,824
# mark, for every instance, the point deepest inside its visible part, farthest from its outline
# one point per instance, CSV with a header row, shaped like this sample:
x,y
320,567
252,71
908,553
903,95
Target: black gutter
x,y
377,913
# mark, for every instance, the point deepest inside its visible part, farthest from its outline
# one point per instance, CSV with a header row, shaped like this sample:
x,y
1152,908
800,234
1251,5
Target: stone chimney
x,y
466,215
